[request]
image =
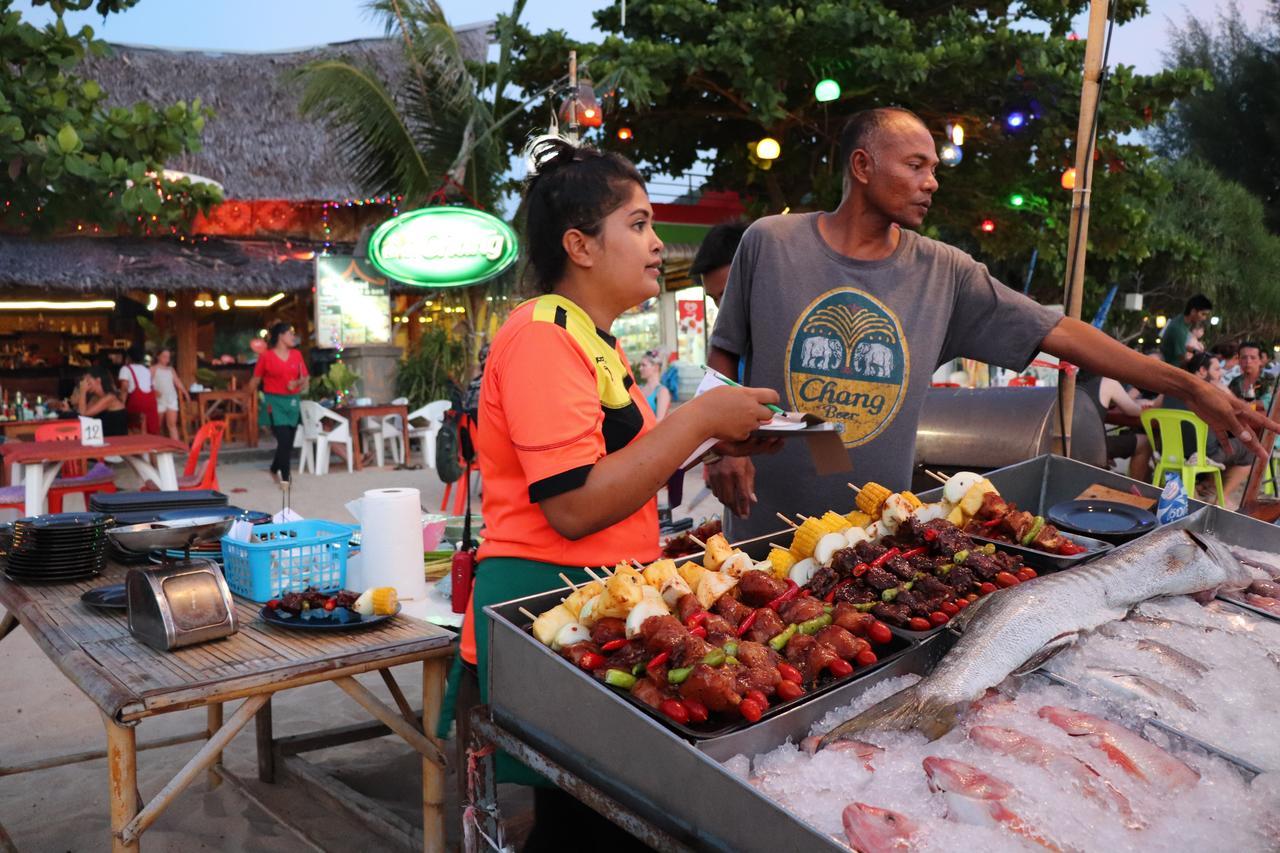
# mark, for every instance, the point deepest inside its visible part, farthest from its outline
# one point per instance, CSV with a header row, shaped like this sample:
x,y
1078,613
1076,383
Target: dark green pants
x,y
500,579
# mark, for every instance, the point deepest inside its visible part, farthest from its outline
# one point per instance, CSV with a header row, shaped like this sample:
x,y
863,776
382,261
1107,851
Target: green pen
x,y
726,380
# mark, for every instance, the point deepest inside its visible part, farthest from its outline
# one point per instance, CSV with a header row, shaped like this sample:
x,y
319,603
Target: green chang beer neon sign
x,y
443,247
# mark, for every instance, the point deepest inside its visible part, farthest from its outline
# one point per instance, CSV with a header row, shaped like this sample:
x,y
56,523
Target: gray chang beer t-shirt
x,y
857,342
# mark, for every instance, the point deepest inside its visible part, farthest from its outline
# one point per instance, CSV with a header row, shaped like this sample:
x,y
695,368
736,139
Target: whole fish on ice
x,y
1129,751
980,799
1133,685
870,829
1017,629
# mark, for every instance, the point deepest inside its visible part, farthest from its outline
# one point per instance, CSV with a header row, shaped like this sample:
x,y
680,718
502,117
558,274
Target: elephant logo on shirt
x,y
847,362
821,352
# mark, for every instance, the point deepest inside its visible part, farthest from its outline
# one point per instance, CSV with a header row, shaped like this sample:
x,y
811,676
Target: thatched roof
x,y
256,146
116,265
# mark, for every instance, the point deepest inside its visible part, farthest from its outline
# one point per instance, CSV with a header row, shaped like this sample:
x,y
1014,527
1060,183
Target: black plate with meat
x,y
1043,562
329,622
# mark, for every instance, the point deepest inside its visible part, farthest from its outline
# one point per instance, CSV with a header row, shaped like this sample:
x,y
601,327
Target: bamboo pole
x,y
1078,236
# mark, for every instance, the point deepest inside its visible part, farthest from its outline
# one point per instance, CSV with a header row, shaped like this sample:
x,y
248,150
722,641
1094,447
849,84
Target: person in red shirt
x,y
570,452
282,374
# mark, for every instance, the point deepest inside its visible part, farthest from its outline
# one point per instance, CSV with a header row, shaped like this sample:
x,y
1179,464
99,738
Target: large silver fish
x,y
1018,629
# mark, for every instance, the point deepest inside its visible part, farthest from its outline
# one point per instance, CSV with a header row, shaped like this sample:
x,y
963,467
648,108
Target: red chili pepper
x,y
985,588
590,661
831,596
914,552
331,604
758,697
788,690
1006,579
840,668
675,709
697,711
613,645
879,633
696,619
938,617
993,522
750,711
866,657
699,632
860,570
745,625
930,535
915,623
790,673
793,589
657,660
884,558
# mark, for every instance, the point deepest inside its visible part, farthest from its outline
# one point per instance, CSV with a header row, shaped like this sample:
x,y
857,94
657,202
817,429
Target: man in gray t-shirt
x,y
847,315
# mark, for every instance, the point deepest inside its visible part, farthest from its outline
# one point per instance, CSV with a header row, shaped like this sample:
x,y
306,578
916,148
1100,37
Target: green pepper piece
x,y
1037,524
889,594
715,657
779,642
731,648
908,584
988,549
618,678
865,607
812,626
675,676
960,556
828,608
946,568
637,669
730,661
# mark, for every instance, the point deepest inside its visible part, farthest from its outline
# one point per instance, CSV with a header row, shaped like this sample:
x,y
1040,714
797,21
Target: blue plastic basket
x,y
295,555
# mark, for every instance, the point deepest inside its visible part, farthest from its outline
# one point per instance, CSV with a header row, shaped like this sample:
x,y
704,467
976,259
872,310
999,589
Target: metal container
x,y
1043,561
988,428
175,534
179,603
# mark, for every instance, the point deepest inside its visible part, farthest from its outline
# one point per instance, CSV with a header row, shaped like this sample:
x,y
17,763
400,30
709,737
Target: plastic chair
x,y
1173,456
314,416
384,431
425,424
207,475
74,479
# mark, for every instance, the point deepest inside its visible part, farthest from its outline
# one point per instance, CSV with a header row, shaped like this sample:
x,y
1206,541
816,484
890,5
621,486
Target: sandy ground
x,y
66,809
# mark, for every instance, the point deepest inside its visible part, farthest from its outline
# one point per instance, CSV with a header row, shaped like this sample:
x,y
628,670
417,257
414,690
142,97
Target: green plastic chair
x,y
1173,456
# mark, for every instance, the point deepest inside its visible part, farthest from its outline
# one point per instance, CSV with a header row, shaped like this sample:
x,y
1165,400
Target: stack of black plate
x,y
61,548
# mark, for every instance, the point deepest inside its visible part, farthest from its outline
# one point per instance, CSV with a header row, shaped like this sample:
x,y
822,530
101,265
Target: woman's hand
x,y
732,413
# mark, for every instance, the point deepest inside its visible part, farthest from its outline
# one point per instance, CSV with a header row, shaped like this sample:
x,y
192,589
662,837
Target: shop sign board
x,y
439,247
353,303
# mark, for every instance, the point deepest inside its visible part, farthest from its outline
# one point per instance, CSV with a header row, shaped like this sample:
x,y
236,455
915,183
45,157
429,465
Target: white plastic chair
x,y
386,430
314,416
425,424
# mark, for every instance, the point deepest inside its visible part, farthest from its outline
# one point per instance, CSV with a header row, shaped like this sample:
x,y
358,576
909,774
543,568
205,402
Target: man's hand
x,y
1228,416
732,481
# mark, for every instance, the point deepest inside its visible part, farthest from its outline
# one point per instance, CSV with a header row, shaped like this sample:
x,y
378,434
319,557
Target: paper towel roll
x,y
391,541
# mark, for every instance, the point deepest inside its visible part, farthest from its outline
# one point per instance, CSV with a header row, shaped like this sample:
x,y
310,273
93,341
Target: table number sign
x,y
91,432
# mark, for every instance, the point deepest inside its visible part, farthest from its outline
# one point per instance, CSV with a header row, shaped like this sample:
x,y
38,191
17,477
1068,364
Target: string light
x,y
624,133
1069,179
826,90
768,148
957,134
325,207
988,226
1016,119
950,155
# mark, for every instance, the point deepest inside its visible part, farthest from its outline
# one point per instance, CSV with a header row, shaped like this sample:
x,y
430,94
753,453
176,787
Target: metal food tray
x,y
1043,561
632,756
510,611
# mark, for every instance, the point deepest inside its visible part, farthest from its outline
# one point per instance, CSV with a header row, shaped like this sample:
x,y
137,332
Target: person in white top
x,y
140,397
168,389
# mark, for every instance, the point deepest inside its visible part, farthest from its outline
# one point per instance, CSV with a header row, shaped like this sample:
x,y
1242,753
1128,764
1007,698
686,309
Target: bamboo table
x,y
130,682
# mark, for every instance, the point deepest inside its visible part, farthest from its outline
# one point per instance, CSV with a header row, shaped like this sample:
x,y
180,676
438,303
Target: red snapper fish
x,y
870,829
1031,750
978,798
1128,750
868,752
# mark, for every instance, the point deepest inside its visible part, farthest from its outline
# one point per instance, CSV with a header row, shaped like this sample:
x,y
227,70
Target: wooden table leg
x,y
357,452
122,770
7,623
215,722
433,676
266,744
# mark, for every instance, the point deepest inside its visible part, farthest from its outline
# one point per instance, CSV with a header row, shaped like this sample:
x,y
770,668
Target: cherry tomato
x,y
1026,573
675,709
274,604
331,604
961,603
1006,579
840,668
866,657
790,673
758,697
697,711
788,690
937,617
950,608
915,623
751,712
986,588
879,633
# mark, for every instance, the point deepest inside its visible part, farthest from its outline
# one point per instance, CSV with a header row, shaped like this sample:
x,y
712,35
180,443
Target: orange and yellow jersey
x,y
557,396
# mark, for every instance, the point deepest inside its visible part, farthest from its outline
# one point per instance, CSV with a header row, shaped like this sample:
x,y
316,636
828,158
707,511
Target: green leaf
x,y
68,139
91,90
151,201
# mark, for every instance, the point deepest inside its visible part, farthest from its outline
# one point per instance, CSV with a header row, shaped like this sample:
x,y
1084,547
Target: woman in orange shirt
x,y
570,453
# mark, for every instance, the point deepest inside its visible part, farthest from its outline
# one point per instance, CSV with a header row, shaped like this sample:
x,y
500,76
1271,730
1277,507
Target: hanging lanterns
x,y
1069,179
589,112
826,90
768,148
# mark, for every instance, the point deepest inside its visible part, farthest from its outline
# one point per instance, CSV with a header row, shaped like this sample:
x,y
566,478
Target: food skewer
x,y
788,522
592,574
525,611
567,581
935,475
855,488
696,541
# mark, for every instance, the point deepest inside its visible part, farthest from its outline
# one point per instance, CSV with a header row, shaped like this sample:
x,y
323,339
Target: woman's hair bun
x,y
548,153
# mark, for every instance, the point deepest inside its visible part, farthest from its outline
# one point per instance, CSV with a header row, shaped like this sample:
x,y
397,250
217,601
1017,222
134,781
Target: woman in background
x,y
658,395
96,396
282,374
168,388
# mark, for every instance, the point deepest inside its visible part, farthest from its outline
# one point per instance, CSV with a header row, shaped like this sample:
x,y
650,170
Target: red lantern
x,y
988,226
589,112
